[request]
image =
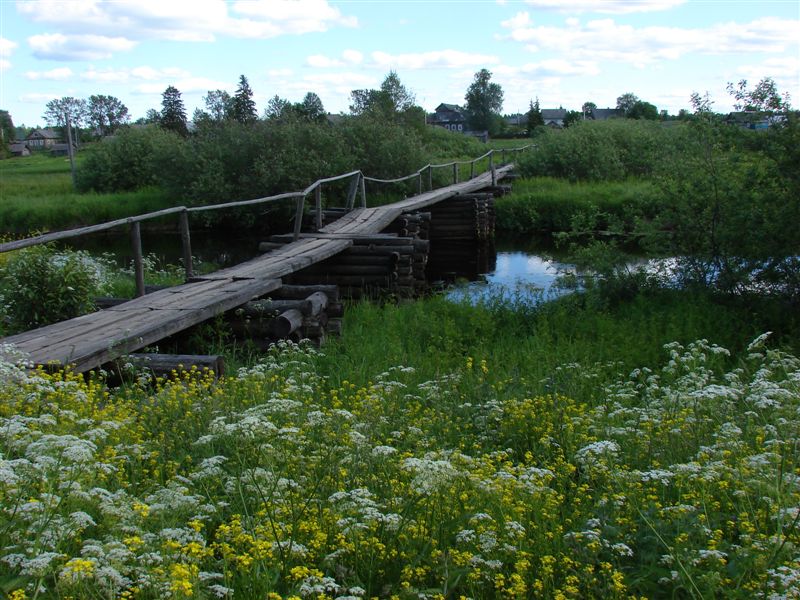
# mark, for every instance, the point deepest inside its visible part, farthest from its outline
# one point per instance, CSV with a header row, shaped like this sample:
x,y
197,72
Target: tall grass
x,y
37,194
549,204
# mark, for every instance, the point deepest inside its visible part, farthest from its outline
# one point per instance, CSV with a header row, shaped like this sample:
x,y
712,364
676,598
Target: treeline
x,y
231,153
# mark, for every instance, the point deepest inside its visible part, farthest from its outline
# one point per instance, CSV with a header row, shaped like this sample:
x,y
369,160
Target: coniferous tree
x,y
7,129
535,118
312,108
243,107
173,113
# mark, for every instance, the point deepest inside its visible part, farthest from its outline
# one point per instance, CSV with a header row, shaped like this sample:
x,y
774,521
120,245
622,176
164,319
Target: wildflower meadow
x,y
680,481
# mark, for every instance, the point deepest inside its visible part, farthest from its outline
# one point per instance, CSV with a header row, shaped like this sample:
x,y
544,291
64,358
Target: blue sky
x,y
563,52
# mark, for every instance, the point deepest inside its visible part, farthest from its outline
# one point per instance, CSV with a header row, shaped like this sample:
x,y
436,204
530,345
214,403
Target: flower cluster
x,y
278,483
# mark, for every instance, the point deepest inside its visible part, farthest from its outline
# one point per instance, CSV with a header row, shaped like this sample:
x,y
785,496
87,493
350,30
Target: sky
x,y
563,52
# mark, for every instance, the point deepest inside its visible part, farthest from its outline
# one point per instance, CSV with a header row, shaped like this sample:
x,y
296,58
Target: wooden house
x,y
42,139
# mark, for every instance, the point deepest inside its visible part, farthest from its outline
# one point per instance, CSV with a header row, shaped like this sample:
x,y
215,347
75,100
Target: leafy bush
x,y
133,159
39,286
610,150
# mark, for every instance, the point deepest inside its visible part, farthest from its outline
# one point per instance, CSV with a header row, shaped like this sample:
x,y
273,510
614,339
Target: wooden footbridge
x,y
91,340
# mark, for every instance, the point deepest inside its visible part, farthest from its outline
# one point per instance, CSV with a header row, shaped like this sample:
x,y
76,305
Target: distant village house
x,y
42,139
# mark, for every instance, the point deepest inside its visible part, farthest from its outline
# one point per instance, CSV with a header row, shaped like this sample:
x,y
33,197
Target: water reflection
x,y
518,276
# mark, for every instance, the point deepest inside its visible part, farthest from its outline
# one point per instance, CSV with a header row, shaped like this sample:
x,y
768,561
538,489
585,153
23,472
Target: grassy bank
x,y
548,204
37,195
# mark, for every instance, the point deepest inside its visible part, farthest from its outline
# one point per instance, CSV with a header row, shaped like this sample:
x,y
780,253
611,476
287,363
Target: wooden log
x,y
164,364
335,310
355,270
287,323
269,308
345,280
384,259
318,302
301,292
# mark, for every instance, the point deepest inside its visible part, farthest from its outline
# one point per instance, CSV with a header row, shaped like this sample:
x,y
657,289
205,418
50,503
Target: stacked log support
x,y
291,312
390,263
462,232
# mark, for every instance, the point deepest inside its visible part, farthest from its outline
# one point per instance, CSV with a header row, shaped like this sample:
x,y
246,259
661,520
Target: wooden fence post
x,y
472,169
419,183
318,205
138,258
455,172
492,169
186,244
363,186
430,177
298,216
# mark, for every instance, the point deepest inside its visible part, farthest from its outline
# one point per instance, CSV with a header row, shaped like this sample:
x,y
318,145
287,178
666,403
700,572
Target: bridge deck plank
x,y
91,340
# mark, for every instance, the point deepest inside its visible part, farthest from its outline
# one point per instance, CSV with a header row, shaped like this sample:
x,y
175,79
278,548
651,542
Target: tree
x,y
398,96
588,109
57,112
643,110
7,129
484,100
311,107
173,113
106,113
572,117
218,104
535,118
764,98
390,101
278,108
243,107
626,102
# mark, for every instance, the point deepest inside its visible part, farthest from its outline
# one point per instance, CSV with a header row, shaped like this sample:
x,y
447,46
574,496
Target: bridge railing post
x,y
430,177
504,156
186,245
419,183
472,169
455,172
318,205
352,192
492,169
363,188
138,258
298,216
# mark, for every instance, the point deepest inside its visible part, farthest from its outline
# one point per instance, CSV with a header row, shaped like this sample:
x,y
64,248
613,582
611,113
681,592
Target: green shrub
x,y
39,286
611,150
135,158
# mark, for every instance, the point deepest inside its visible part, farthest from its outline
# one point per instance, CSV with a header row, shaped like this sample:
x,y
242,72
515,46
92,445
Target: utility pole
x,y
69,151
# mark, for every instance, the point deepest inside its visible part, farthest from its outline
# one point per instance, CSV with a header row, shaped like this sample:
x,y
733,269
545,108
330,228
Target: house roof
x,y
44,133
553,114
18,147
450,107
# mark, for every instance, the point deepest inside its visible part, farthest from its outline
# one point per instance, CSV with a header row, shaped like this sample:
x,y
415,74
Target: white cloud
x,y
349,57
187,86
551,68
6,49
280,73
145,73
646,45
605,6
56,46
183,20
58,74
38,98
449,59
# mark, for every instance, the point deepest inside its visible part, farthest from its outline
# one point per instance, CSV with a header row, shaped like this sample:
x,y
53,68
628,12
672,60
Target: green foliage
x,y
242,105
550,205
484,101
173,112
106,114
135,158
39,286
611,150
